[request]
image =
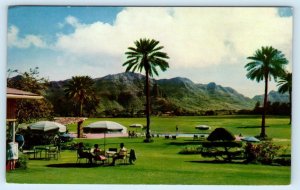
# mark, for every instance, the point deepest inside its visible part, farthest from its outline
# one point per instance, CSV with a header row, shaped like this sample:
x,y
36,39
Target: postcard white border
x,y
295,181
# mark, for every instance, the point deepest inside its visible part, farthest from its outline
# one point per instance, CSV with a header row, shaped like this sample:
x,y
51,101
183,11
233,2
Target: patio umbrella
x,y
250,139
136,126
202,127
104,127
45,126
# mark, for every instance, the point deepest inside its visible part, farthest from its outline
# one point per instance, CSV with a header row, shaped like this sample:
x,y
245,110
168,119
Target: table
x,y
110,154
39,150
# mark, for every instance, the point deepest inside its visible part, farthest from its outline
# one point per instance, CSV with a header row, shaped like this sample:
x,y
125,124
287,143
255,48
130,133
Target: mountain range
x,y
125,91
176,92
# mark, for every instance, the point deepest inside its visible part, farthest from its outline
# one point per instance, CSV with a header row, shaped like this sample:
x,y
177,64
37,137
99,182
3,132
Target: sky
x,y
205,44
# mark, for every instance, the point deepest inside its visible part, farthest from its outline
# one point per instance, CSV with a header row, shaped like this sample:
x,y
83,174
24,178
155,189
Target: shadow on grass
x,y
74,165
195,142
250,127
216,162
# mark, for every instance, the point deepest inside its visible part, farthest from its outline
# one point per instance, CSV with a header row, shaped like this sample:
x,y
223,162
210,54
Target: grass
x,y
160,163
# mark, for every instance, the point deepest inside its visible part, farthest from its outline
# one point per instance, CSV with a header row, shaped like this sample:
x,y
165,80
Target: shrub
x,y
264,153
22,161
191,150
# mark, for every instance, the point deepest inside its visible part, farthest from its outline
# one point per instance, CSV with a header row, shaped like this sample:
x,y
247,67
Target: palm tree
x,y
80,89
285,85
266,62
146,55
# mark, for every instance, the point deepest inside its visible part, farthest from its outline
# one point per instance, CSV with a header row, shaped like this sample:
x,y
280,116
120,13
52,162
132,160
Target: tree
x,y
285,85
81,90
28,110
266,62
146,55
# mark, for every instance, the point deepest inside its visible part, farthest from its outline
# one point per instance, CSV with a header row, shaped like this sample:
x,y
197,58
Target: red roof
x,y
20,94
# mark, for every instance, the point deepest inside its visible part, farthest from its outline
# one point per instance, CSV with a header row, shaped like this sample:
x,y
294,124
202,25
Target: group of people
x,y
98,155
132,134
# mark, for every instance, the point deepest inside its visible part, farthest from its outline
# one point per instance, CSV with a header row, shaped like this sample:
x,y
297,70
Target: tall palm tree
x,y
146,55
266,62
80,89
285,85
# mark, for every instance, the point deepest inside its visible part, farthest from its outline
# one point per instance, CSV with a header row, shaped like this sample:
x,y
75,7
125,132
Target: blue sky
x,y
204,44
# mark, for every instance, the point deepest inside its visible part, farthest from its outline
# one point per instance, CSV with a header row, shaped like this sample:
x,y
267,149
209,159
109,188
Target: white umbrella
x,y
47,126
202,127
136,125
105,126
250,139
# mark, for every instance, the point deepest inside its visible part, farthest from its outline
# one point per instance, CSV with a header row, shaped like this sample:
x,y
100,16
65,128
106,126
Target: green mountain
x,y
126,91
273,96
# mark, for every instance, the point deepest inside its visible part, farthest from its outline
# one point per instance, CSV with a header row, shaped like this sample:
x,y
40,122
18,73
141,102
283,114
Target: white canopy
x,y
47,126
202,127
250,139
105,126
136,125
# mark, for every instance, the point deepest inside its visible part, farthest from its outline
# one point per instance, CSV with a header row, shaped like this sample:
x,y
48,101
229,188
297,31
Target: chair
x,y
52,152
125,158
79,158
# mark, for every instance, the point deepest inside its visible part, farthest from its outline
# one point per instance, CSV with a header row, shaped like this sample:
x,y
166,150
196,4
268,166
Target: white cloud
x,y
193,37
14,40
204,44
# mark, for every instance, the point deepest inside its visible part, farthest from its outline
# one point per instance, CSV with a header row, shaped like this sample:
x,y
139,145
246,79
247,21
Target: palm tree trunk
x,y
263,122
290,97
148,136
81,108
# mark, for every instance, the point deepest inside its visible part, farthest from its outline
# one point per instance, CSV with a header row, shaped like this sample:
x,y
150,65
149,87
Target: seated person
x,y
97,153
120,155
133,134
84,154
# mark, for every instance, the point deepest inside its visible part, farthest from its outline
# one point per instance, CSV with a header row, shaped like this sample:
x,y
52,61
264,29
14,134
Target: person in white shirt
x,y
120,155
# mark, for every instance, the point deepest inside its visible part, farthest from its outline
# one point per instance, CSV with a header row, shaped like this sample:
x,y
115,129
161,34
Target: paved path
x,y
101,135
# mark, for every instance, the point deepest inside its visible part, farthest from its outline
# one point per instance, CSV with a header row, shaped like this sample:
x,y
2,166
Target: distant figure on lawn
x,y
120,155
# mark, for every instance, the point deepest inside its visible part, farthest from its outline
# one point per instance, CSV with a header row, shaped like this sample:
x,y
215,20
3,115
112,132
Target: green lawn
x,y
160,163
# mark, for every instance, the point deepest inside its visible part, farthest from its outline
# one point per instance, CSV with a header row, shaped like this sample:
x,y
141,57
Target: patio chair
x,y
79,158
125,158
53,152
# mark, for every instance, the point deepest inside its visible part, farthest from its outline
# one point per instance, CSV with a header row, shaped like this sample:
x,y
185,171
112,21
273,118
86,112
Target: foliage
x,y
221,134
285,85
22,161
190,150
275,108
28,110
225,150
267,62
81,91
146,55
264,153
